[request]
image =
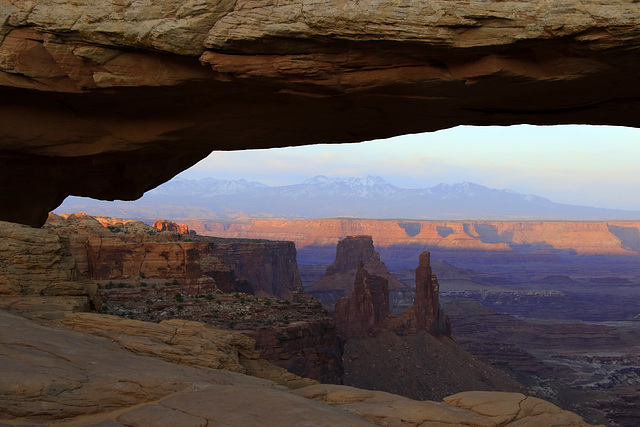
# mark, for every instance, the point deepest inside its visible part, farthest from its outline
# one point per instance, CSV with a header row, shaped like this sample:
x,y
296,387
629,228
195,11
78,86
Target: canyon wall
x,y
265,267
310,348
579,238
115,250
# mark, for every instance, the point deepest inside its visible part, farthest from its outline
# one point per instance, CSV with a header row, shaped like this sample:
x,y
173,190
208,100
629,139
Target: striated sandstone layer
x,y
110,99
576,237
39,275
116,250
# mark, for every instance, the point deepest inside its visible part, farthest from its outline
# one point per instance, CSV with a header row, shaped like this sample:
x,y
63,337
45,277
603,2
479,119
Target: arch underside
x,y
89,113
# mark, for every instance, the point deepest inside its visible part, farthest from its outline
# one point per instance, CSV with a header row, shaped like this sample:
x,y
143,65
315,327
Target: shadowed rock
x,y
110,99
366,312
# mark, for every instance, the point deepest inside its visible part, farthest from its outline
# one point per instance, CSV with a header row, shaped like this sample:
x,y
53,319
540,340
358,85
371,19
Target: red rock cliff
x,y
426,313
131,250
164,225
350,252
580,237
366,311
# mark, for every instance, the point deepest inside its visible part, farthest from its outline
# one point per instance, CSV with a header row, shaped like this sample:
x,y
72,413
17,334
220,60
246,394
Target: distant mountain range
x,y
322,197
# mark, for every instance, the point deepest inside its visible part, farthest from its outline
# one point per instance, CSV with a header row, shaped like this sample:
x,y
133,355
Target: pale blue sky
x,y
585,165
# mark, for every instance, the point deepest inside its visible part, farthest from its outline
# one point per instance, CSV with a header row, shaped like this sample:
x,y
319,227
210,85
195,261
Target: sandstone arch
x,y
109,100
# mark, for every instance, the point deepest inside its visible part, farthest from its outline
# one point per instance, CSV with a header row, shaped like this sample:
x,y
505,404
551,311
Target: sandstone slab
x,y
56,375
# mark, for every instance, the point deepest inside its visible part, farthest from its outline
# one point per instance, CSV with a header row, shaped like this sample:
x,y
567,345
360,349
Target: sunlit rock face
x,y
109,99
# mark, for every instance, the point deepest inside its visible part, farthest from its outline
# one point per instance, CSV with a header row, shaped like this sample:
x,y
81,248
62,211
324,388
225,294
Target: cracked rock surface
x,y
110,376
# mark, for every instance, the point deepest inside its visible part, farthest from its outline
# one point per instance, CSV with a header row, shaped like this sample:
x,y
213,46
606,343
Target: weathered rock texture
x,y
425,314
38,273
298,335
265,267
164,225
309,348
366,311
129,373
117,250
110,99
350,252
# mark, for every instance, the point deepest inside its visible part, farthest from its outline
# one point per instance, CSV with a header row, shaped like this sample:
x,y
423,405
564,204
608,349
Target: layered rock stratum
x,y
577,237
39,274
110,99
107,249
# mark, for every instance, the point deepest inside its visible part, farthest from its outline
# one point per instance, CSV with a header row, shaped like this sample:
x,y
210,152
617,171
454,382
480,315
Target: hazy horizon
x,y
593,166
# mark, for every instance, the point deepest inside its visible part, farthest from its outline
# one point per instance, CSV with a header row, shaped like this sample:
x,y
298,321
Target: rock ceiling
x,y
109,99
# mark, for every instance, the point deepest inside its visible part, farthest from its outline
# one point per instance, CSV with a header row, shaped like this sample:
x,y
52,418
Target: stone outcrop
x,y
109,100
263,268
147,374
350,252
463,409
38,273
309,348
425,314
164,225
130,251
297,335
366,312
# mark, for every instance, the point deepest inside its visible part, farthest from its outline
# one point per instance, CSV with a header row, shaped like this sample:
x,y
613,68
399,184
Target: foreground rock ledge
x,y
123,372
109,99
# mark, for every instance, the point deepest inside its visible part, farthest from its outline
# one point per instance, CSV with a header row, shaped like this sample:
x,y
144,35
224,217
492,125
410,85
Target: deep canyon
x,y
560,299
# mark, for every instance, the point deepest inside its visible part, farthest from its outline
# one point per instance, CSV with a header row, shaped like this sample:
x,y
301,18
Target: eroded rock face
x,y
426,314
108,100
310,348
266,267
365,312
38,273
108,249
164,225
350,252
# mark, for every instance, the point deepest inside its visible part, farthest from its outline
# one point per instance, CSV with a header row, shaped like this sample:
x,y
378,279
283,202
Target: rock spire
x,y
365,312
